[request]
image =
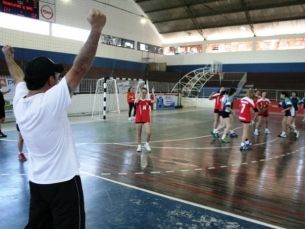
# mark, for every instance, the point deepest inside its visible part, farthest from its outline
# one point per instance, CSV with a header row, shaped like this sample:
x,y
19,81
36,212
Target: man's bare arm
x,y
15,71
83,60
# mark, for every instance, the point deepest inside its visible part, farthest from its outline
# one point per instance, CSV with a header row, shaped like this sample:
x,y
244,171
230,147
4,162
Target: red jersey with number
x,y
262,105
143,110
246,104
217,98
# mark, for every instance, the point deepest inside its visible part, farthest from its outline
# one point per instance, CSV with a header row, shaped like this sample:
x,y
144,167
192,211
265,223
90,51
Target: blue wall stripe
x,y
64,58
259,67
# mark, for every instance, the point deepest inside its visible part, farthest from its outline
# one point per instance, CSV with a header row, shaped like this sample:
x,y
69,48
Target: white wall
x,y
82,104
119,23
197,102
278,56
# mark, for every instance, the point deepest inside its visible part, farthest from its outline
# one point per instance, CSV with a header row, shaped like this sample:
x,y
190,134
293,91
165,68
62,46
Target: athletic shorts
x,y
225,114
2,113
216,111
255,109
141,122
289,114
264,114
245,121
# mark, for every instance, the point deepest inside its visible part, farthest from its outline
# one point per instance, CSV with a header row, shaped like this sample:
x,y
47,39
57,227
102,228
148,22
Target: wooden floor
x,y
266,184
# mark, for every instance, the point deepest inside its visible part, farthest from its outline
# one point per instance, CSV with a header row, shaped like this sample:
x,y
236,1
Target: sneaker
x,y
297,133
267,131
129,119
214,135
282,135
22,157
139,148
147,147
233,135
2,135
225,140
256,133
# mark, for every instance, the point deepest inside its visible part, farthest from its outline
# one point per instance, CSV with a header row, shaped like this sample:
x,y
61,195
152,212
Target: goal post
x,y
105,98
111,95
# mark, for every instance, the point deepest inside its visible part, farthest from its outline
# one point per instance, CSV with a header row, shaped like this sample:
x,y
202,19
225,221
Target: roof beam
x,y
198,2
139,1
226,24
246,11
228,11
193,18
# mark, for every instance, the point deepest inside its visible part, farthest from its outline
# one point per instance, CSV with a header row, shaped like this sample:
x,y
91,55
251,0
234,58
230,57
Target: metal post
x,y
104,96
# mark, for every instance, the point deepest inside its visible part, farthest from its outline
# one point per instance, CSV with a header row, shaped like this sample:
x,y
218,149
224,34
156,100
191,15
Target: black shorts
x,y
60,205
255,109
263,114
2,112
216,111
225,114
246,122
289,114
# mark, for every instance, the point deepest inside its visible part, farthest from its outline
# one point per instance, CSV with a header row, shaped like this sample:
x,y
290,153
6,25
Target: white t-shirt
x,y
44,125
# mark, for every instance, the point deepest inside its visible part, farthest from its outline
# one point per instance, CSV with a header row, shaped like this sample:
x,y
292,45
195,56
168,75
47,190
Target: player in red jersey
x,y
217,107
262,105
143,108
257,96
246,105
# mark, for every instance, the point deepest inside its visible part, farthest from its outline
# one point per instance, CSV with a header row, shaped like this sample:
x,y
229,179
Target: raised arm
x,y
153,94
83,60
13,68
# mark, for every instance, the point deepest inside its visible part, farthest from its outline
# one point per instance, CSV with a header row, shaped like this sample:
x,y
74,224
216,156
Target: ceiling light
x,y
66,1
143,20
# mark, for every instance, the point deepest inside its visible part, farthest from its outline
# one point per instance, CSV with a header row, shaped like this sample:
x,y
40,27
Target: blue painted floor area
x,y
110,205
117,206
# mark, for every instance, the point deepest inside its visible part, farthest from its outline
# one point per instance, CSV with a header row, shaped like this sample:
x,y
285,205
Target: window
x,y
149,48
229,47
117,41
281,44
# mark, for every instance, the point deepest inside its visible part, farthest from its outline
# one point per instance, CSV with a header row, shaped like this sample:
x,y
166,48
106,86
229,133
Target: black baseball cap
x,y
38,71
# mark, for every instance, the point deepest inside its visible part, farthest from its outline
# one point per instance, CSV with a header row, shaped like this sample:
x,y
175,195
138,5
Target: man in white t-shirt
x,y
40,107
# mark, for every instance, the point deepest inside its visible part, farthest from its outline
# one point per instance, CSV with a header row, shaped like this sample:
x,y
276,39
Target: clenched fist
x,y
96,19
8,51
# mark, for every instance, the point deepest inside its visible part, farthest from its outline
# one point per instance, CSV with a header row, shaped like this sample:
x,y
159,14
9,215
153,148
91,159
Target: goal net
x,y
115,97
105,98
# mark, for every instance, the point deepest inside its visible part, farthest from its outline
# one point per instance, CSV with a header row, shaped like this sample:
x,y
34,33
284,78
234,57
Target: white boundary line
x,y
198,148
183,201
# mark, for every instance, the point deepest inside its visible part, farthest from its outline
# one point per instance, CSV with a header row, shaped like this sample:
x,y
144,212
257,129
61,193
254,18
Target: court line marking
x,y
200,148
206,168
129,143
183,201
175,139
